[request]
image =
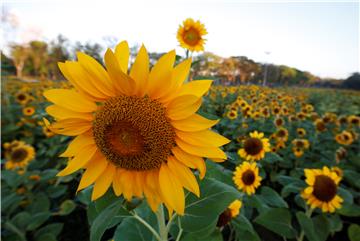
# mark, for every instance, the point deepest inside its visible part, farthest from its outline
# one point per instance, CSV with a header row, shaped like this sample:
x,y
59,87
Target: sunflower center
x,y
21,97
324,188
133,133
248,177
191,36
281,133
253,146
19,155
299,144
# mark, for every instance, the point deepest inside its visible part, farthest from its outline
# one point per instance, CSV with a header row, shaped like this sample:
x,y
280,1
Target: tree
x,y
57,53
353,82
19,54
39,57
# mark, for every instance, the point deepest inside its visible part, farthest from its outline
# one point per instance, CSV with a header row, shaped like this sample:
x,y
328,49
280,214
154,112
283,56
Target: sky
x,y
320,37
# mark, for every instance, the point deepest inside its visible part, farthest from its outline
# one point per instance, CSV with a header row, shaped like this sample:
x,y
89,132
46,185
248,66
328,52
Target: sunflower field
x,y
157,154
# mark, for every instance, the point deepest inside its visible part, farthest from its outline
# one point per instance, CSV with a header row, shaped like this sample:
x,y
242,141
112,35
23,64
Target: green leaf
x,y
21,220
215,198
54,229
352,177
11,178
131,229
218,172
37,220
322,226
354,232
277,220
66,207
292,188
46,237
214,236
272,158
56,191
244,229
20,233
41,203
335,223
257,202
272,198
102,221
307,226
8,201
349,210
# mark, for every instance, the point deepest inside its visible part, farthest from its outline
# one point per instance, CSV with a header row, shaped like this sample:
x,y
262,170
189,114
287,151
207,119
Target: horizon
x,y
302,35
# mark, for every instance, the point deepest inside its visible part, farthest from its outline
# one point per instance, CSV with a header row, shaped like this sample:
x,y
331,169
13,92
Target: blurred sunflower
x,y
320,125
231,212
246,177
190,35
322,189
18,156
137,132
232,115
344,138
282,135
301,132
28,111
279,121
255,147
354,120
22,98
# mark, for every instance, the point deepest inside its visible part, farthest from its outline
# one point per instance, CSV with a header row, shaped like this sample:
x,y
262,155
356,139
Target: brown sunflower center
x,y
299,144
324,188
281,133
191,36
21,97
248,177
19,155
253,146
134,133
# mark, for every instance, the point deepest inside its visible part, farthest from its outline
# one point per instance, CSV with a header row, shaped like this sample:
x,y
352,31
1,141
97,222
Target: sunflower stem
x,y
161,222
180,230
152,230
308,214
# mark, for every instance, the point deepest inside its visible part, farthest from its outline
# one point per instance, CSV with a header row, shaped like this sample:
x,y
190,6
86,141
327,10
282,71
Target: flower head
x,y
190,35
246,177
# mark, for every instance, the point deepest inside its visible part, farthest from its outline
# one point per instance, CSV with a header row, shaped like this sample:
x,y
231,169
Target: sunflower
x,y
28,111
344,138
301,132
246,177
340,154
354,120
301,143
47,132
279,121
282,135
320,125
254,147
190,35
232,115
138,132
230,212
18,156
22,98
322,189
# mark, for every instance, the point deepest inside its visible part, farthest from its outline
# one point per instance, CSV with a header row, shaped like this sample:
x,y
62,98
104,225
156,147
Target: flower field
x,y
291,170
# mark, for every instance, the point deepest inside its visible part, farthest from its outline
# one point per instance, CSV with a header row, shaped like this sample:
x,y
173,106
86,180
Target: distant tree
x,y
19,54
7,65
57,53
39,58
94,50
353,82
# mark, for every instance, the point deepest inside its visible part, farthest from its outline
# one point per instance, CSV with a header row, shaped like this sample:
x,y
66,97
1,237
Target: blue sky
x,y
320,37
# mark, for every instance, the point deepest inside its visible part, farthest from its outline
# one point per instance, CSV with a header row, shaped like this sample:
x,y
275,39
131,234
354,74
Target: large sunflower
x,y
322,189
136,131
190,35
246,177
18,155
255,147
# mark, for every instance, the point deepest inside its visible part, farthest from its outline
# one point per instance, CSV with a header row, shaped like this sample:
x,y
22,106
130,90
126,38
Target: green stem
x,y
308,214
180,230
161,222
147,226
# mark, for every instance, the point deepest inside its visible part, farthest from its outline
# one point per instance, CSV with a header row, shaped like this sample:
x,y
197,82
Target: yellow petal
x,y
70,127
103,183
184,175
178,76
82,81
122,54
205,138
140,71
160,76
193,123
182,107
122,82
95,167
78,144
217,160
70,99
61,113
79,161
127,181
197,88
210,152
98,73
171,189
117,186
190,160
